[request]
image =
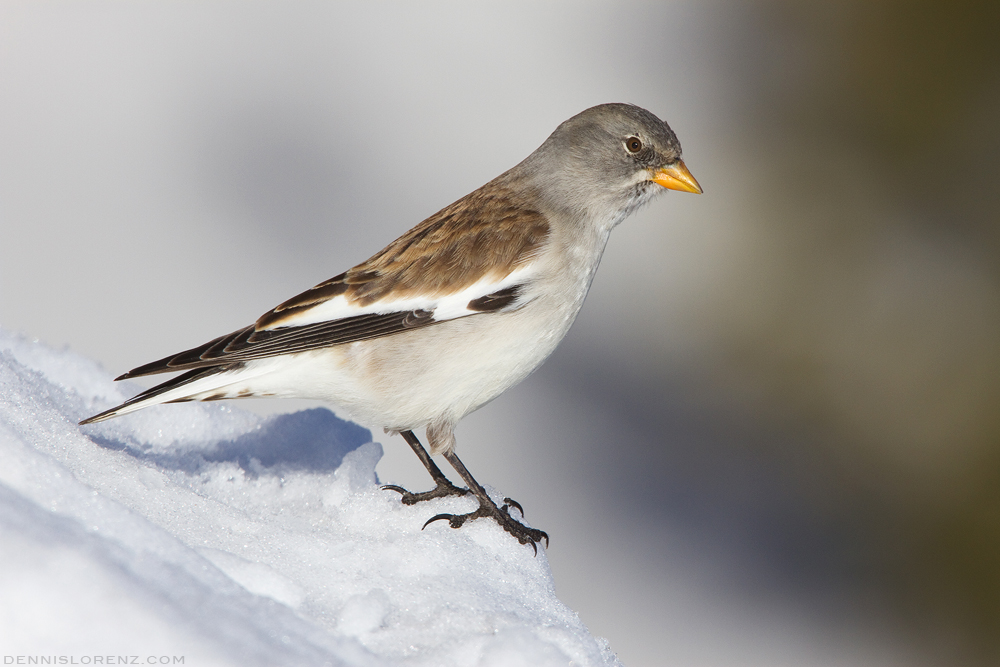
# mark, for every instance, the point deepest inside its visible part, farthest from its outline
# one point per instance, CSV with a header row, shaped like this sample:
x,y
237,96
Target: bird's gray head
x,y
607,161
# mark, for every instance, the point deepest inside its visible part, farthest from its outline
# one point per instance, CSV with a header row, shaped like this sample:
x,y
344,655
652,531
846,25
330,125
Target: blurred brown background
x,y
869,318
772,436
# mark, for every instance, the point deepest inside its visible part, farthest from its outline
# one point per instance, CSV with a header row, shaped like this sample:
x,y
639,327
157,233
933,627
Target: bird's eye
x,y
633,144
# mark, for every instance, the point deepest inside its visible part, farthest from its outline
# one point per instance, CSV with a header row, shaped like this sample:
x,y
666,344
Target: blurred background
x,y
773,435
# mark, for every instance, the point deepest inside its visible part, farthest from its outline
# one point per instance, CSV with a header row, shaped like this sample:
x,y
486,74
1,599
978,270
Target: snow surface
x,y
202,531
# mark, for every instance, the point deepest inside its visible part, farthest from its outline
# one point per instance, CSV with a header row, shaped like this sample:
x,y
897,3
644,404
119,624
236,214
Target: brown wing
x,y
487,233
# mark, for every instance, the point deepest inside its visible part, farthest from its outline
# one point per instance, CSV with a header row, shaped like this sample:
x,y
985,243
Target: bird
x,y
454,312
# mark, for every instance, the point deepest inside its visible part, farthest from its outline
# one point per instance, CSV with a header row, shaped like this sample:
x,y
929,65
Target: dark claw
x,y
439,491
515,504
454,520
487,508
523,534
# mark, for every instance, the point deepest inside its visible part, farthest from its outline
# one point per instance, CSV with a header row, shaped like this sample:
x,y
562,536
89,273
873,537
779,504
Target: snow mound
x,y
208,533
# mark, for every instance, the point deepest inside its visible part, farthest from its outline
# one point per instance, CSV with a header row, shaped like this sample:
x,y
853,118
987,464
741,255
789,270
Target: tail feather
x,y
194,385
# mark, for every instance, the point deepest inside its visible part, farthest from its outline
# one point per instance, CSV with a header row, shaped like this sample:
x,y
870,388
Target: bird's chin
x,y
641,195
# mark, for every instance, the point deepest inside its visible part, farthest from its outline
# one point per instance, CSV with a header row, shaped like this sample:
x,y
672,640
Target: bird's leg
x,y
443,487
489,509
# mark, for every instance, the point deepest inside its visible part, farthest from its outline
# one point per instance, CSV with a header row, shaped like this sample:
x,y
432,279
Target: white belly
x,y
439,373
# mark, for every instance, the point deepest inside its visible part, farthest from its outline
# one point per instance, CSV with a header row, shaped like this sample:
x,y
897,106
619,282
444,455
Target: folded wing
x,y
451,265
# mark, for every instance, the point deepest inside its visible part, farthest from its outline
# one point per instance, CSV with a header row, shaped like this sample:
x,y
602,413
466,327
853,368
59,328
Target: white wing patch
x,y
447,307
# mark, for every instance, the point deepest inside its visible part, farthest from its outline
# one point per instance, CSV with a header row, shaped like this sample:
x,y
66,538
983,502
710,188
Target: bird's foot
x,y
443,489
488,509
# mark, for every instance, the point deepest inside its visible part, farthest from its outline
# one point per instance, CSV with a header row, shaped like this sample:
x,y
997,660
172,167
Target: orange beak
x,y
677,177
